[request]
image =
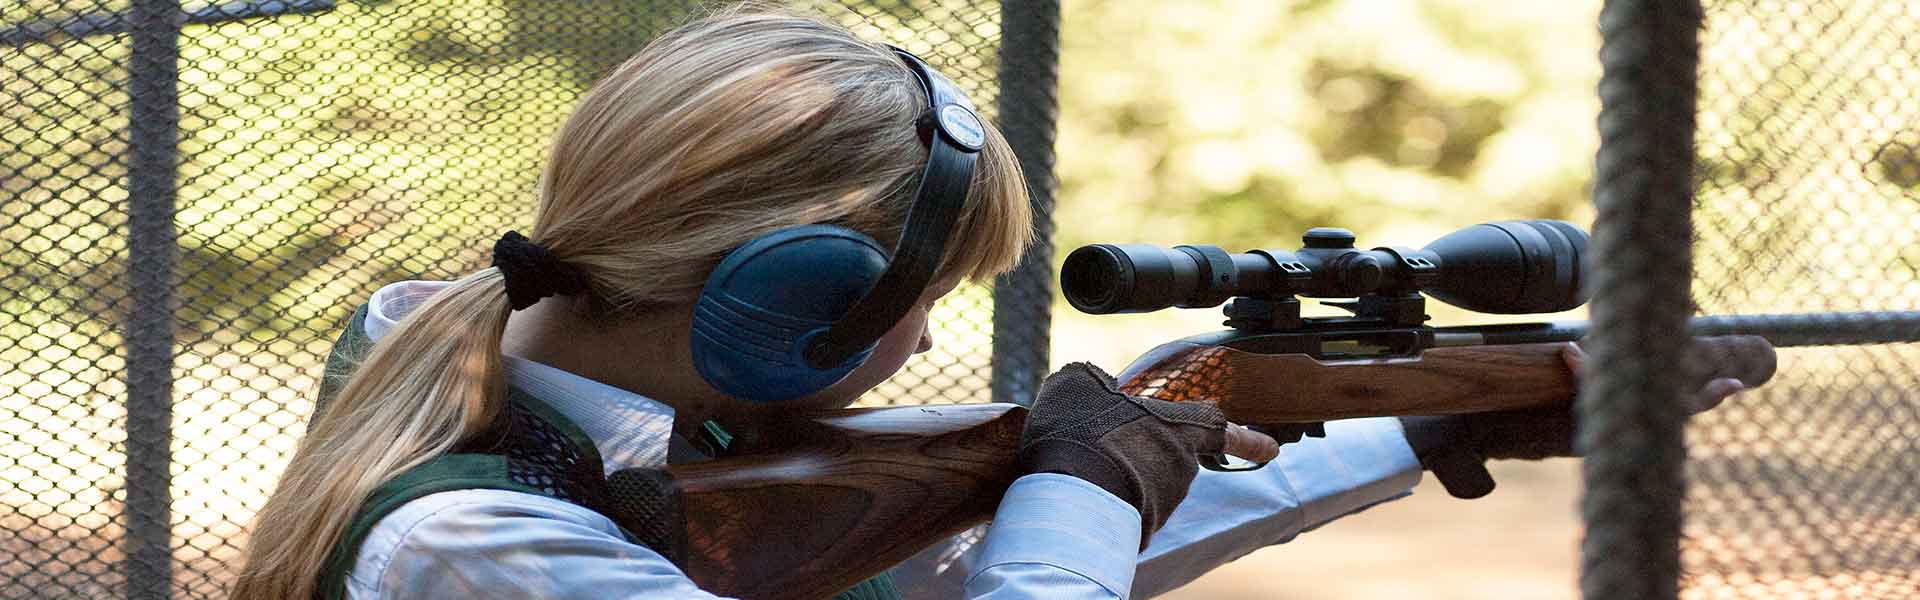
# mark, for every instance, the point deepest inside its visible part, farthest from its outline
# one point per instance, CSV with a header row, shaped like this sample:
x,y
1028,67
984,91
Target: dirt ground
x,y
1520,543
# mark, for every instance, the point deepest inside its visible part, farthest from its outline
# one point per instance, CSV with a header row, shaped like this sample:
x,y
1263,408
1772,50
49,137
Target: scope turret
x,y
1507,267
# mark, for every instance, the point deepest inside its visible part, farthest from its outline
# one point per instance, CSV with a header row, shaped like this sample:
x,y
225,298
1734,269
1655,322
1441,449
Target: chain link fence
x,y
1808,200
323,149
194,195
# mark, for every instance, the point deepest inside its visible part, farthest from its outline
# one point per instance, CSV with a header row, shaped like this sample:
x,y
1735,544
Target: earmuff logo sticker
x,y
963,126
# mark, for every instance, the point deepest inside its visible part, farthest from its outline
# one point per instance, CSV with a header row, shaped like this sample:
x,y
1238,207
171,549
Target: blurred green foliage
x,y
1242,124
312,142
324,154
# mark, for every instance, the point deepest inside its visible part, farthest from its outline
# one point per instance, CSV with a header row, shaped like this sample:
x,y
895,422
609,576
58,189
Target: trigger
x,y
1287,433
1227,464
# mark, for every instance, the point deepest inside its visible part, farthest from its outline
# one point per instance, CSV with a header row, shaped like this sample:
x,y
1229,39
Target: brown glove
x,y
1143,451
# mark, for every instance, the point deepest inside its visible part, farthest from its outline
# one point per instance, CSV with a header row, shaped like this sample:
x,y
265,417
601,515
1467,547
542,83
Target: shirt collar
x,y
629,430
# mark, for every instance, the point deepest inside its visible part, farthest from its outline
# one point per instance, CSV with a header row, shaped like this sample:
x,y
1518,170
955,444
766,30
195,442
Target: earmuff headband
x,y
951,153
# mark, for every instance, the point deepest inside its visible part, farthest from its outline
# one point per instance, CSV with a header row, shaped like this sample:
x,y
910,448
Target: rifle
x,y
807,509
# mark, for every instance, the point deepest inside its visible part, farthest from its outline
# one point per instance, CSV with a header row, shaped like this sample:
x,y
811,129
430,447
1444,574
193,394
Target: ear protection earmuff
x,y
796,310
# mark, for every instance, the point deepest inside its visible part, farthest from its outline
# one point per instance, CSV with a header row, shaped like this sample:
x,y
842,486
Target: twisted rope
x,y
1027,109
1632,422
153,161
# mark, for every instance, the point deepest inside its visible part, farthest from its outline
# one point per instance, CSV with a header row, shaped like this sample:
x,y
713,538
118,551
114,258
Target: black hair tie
x,y
532,271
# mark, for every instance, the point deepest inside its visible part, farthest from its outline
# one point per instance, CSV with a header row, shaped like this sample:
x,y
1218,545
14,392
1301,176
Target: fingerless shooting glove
x,y
1143,451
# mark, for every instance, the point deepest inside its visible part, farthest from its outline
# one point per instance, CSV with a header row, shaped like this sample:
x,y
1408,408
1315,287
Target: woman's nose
x,y
926,341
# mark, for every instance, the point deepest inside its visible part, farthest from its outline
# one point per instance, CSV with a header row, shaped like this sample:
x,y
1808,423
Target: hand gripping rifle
x,y
806,509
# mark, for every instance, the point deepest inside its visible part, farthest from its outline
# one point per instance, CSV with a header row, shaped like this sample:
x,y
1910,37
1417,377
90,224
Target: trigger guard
x,y
1217,462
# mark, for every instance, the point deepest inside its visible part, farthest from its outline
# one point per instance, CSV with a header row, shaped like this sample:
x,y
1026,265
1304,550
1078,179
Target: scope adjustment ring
x,y
1218,276
1328,237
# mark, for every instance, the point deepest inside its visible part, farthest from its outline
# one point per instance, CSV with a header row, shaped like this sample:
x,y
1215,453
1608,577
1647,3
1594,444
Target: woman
x,y
593,347
719,133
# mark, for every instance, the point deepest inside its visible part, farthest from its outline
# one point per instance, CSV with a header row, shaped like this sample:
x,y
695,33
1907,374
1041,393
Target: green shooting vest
x,y
475,470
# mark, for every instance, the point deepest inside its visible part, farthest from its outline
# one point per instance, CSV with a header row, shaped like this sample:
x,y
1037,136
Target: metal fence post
x,y
1632,423
1027,108
153,136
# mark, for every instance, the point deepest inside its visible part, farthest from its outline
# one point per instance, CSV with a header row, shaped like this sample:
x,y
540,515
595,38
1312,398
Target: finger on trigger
x,y
1575,357
1250,445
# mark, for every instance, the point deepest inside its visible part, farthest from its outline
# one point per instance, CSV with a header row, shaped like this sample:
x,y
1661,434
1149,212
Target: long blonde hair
x,y
739,124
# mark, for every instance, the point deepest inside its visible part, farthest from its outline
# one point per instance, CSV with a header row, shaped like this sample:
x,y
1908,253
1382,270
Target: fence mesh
x,y
328,147
324,149
1809,200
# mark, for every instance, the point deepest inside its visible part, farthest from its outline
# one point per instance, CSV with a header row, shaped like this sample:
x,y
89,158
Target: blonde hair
x,y
734,126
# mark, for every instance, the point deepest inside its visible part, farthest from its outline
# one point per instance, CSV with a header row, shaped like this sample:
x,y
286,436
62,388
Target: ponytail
x,y
434,380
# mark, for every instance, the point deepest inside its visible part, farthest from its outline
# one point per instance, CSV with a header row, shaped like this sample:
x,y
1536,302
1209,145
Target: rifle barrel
x,y
1782,330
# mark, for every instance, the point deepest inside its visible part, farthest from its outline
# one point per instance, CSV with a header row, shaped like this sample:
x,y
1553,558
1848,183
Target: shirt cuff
x,y
1066,523
1372,463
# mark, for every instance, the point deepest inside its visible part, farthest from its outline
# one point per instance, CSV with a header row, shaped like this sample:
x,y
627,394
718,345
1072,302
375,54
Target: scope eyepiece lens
x,y
1093,278
1127,278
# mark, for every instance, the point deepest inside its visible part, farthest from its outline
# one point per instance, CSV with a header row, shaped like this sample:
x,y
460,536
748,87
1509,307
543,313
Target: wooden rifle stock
x,y
843,496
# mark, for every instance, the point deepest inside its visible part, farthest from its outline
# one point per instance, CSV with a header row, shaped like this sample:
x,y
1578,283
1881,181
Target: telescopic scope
x,y
1507,267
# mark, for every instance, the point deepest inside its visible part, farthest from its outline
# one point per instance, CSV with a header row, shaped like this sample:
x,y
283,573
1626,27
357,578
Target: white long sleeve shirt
x,y
1054,536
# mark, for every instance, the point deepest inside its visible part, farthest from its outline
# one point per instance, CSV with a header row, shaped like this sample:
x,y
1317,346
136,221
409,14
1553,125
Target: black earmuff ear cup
x,y
795,311
766,301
